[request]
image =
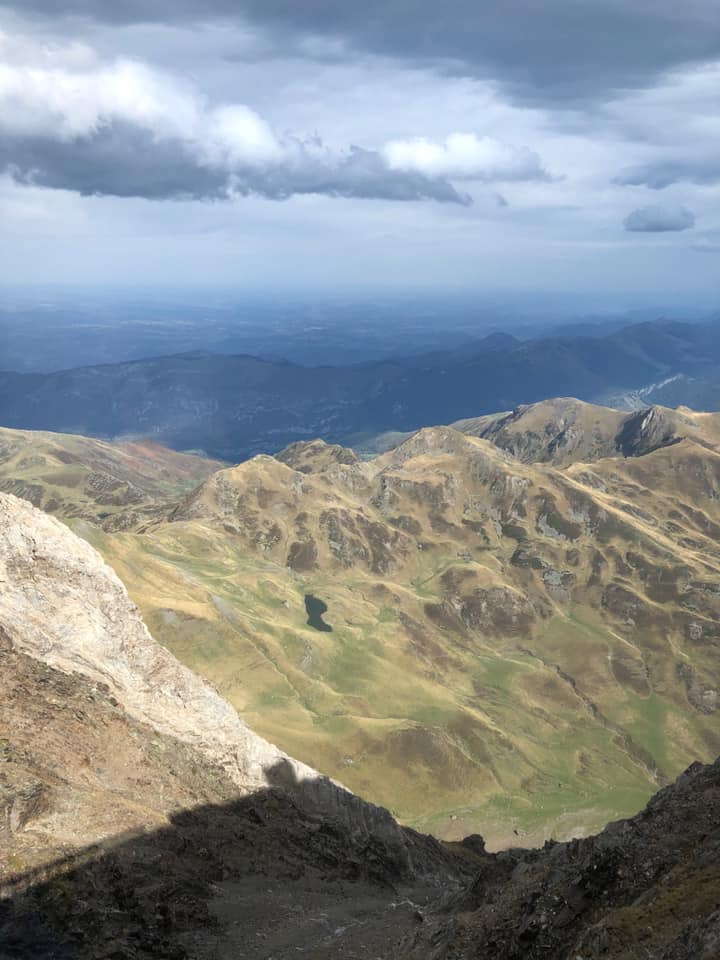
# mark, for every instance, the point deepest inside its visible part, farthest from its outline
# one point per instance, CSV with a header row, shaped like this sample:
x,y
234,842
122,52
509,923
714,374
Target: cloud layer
x,y
561,50
124,129
531,128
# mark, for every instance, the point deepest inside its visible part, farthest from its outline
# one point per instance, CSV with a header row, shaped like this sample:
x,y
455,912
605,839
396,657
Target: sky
x,y
568,145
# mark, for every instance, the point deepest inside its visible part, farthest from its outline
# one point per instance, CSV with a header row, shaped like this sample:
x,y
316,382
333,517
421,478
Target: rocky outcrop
x,y
313,456
61,604
647,887
564,430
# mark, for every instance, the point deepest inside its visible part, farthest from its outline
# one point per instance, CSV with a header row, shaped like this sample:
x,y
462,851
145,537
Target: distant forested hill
x,y
235,406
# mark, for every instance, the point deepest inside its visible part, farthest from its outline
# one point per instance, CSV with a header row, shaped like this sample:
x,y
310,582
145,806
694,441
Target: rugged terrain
x,y
644,888
564,431
523,646
142,818
123,483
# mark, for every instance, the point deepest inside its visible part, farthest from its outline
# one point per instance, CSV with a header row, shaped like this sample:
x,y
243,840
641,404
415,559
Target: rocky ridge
x,y
563,431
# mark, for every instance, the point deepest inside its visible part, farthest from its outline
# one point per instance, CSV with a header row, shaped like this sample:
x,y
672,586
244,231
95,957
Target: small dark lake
x,y
315,608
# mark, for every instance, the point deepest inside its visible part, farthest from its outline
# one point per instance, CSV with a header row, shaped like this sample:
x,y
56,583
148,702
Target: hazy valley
x,y
234,406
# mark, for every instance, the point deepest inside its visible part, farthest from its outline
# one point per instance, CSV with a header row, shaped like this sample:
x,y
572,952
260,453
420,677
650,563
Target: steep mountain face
x,y
647,887
140,816
116,484
477,643
236,406
564,431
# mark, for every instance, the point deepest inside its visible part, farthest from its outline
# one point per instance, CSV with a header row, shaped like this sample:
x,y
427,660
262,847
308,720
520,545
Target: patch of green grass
x,y
648,726
274,697
498,671
335,725
294,646
434,714
352,667
387,615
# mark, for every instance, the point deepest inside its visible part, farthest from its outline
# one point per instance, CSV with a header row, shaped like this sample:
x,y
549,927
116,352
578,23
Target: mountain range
x,y
509,626
232,407
142,818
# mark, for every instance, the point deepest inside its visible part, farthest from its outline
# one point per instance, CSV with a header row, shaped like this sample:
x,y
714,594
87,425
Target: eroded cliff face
x,y
647,888
62,605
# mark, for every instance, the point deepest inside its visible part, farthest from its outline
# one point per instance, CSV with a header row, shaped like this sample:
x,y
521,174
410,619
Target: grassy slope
x,y
548,729
118,483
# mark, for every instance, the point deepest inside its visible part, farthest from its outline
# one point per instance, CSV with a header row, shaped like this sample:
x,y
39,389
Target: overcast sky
x,y
562,145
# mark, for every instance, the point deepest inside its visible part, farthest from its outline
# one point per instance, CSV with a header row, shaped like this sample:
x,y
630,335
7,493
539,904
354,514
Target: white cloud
x,y
234,134
124,128
64,100
465,156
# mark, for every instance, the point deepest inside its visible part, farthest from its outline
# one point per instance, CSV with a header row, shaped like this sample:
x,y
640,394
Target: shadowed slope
x,y
259,878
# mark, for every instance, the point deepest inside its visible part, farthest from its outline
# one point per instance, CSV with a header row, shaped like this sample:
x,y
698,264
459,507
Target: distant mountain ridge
x,y
232,407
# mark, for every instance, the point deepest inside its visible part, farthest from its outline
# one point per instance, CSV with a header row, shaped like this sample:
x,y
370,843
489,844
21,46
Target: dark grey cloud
x,y
659,219
664,173
123,160
559,50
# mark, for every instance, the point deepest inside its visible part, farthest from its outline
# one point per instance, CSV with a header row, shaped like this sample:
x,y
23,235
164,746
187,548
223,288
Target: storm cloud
x,y
470,144
659,219
122,160
128,131
558,50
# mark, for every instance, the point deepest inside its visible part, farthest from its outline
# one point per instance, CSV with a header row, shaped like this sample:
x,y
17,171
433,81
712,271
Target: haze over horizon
x,y
330,147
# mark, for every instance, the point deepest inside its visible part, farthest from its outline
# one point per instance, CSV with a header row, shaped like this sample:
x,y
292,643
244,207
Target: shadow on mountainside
x,y
261,877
